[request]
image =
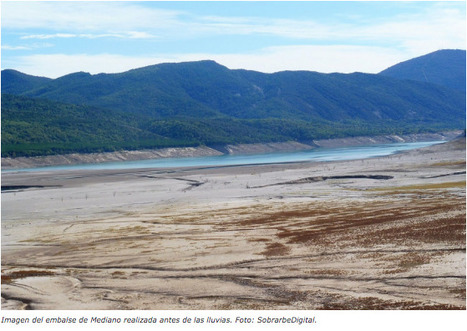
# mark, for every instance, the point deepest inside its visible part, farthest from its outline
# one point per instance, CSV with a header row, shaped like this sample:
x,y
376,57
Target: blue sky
x,y
54,38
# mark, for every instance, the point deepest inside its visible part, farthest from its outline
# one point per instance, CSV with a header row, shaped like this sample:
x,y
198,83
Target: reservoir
x,y
314,155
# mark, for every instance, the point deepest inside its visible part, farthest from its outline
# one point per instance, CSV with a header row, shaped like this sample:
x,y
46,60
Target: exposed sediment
x,y
323,178
387,139
380,233
290,146
84,158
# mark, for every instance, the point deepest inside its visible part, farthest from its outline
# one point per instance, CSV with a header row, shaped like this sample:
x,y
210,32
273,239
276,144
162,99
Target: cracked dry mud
x,y
383,233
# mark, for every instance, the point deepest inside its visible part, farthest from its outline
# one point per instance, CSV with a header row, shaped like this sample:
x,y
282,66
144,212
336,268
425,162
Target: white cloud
x,y
438,27
437,22
140,35
56,65
288,28
15,48
83,16
129,35
367,46
49,36
325,59
28,47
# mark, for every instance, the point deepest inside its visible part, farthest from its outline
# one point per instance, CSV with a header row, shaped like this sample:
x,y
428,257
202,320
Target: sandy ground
x,y
382,233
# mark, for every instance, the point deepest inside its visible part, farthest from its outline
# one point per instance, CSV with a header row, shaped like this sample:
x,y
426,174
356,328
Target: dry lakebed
x,y
378,233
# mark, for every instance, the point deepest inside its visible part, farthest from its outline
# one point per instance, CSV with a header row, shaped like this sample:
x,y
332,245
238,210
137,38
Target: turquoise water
x,y
315,155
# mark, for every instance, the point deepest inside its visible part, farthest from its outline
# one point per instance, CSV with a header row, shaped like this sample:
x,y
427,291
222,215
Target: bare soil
x,y
382,233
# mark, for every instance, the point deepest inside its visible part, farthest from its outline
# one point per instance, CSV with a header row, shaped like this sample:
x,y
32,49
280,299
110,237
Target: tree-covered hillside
x,y
445,67
204,103
206,89
16,82
38,127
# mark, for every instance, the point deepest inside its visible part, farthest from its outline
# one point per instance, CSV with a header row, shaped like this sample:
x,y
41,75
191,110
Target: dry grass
x,y
443,230
407,261
437,227
449,164
372,303
420,187
276,249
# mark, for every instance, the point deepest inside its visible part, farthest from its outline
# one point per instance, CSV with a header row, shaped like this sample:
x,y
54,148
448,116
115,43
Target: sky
x,y
55,38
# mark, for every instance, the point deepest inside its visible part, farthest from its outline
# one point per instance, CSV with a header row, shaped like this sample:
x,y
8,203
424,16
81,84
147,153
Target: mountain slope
x,y
204,103
42,127
15,82
206,89
36,127
444,67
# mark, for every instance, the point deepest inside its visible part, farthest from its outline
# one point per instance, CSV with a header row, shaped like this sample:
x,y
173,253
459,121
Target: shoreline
x,y
10,163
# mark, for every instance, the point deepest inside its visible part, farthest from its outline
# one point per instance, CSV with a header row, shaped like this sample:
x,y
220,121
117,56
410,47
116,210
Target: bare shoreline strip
x,y
200,151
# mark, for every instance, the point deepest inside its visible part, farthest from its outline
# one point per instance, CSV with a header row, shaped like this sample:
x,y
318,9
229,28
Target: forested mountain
x,y
445,67
40,127
192,103
206,89
16,82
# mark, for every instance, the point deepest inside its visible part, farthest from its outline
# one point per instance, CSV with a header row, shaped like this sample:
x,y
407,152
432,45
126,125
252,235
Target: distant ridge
x,y
206,89
16,82
206,104
444,67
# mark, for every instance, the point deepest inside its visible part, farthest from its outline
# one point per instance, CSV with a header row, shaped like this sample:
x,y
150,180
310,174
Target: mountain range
x,y
205,103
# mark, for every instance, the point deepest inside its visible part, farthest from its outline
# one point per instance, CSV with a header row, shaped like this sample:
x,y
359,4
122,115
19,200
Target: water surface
x,y
314,155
